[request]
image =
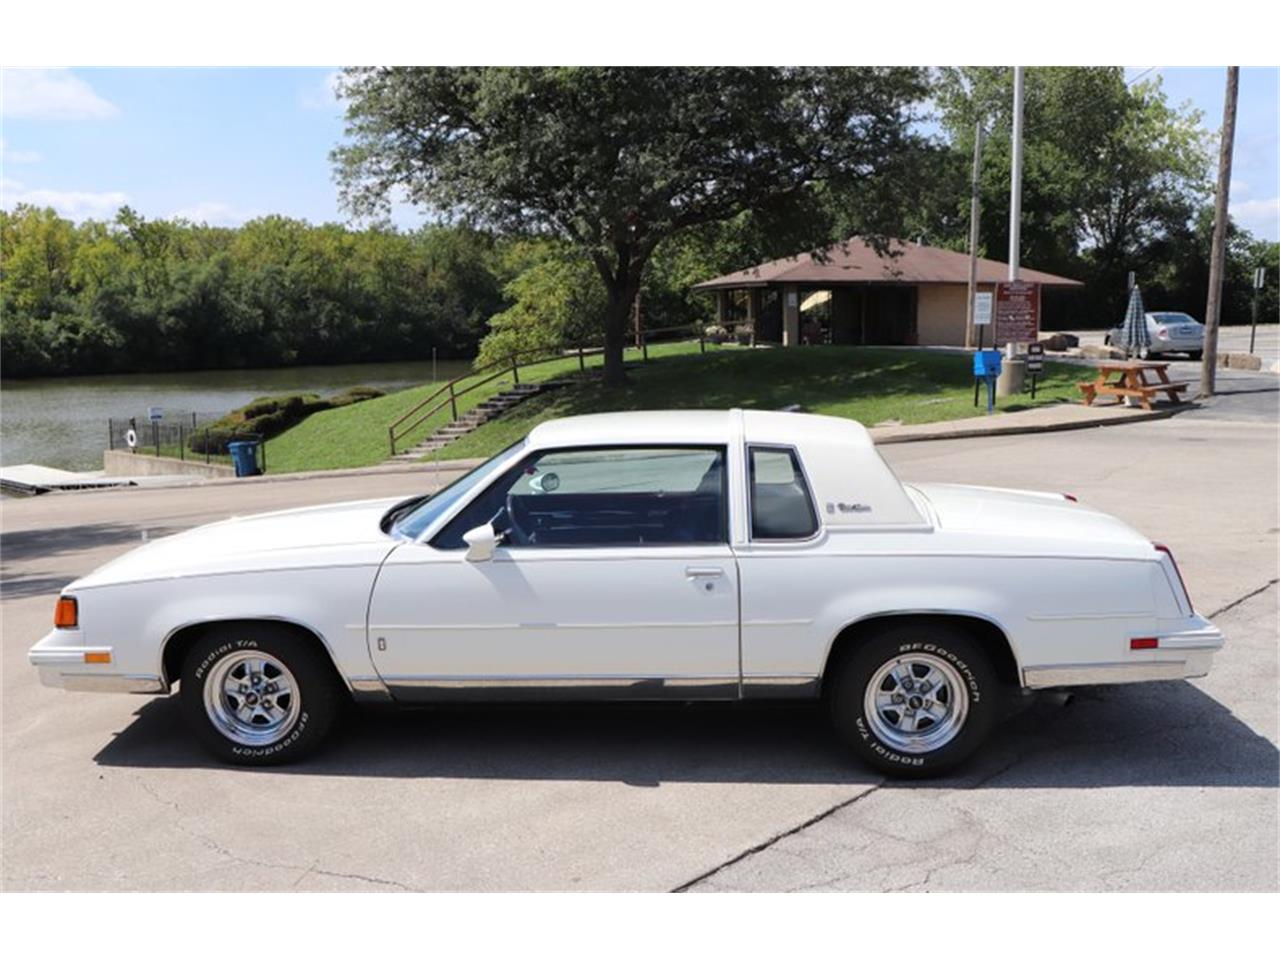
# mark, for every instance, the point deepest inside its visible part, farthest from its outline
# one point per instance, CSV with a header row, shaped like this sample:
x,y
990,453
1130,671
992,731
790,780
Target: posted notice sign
x,y
1017,312
981,309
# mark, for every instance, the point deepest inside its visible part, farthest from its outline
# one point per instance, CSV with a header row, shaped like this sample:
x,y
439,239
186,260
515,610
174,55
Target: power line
x,y
1133,80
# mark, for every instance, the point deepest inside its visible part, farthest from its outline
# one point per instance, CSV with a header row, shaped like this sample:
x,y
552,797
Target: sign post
x,y
981,320
1017,313
155,415
1035,364
1259,280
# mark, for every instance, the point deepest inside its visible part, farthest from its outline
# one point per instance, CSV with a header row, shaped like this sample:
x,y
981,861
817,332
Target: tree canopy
x,y
616,160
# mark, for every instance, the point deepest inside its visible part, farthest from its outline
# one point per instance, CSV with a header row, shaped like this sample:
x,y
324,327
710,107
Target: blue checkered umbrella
x,y
1134,336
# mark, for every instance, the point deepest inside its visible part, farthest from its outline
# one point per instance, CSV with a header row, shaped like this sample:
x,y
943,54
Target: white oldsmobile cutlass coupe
x,y
701,555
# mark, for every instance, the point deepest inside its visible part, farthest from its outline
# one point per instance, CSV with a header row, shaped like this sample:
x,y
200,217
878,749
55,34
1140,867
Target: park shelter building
x,y
912,295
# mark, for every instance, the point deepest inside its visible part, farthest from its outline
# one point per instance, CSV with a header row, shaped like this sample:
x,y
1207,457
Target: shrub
x,y
716,333
269,417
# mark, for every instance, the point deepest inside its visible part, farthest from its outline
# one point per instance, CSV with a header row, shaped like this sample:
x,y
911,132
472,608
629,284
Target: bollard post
x,y
391,439
702,344
644,347
582,360
515,370
111,435
206,445
453,402
182,446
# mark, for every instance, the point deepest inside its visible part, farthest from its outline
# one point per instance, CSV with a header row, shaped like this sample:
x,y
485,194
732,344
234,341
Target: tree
x,y
1110,170
616,160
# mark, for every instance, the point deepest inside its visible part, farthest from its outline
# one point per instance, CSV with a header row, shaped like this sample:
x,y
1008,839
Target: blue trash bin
x,y
244,454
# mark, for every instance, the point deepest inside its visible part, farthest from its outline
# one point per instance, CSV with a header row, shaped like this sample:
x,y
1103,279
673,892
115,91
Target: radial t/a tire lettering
x,y
914,699
257,694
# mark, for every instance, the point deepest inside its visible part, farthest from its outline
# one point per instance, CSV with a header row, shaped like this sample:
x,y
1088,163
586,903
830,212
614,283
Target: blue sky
x,y
225,145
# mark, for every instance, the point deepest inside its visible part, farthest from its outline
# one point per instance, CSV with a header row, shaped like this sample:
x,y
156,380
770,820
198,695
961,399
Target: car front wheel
x,y
914,699
258,694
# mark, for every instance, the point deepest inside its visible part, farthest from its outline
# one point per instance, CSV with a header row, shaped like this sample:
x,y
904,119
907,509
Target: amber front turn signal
x,y
66,615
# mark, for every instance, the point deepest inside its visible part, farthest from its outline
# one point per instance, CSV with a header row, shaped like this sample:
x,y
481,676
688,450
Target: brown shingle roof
x,y
855,261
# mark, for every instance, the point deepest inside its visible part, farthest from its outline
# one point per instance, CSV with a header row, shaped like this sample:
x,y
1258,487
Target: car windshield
x,y
1172,318
415,522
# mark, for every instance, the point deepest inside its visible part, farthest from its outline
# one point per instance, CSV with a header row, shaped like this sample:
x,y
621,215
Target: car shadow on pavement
x,y
1165,734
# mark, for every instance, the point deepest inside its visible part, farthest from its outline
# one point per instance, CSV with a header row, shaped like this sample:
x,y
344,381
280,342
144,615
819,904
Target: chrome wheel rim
x,y
916,703
251,698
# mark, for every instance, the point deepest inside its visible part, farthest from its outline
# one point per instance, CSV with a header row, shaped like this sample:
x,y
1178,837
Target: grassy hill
x,y
356,436
868,384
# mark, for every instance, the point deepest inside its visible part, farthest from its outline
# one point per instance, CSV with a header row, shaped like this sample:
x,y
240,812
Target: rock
x,y
1059,342
1243,361
1095,352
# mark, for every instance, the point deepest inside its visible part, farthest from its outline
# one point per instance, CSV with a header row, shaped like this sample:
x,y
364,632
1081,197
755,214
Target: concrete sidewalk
x,y
1062,416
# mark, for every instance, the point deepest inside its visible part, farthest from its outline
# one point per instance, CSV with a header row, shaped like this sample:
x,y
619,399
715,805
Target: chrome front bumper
x,y
65,667
1180,656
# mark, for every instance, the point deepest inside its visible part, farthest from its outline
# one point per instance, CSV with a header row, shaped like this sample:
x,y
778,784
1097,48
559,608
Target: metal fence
x,y
185,436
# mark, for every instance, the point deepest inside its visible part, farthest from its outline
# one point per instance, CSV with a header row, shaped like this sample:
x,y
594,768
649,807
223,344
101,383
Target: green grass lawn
x,y
867,384
356,435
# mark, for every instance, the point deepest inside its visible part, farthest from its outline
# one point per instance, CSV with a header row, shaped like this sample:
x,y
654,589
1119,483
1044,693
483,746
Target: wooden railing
x,y
450,393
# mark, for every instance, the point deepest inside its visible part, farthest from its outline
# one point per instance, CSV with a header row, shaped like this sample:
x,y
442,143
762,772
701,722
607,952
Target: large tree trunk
x,y
622,295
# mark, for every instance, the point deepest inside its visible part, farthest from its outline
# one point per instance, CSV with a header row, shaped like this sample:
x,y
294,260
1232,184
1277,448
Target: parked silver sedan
x,y
1169,333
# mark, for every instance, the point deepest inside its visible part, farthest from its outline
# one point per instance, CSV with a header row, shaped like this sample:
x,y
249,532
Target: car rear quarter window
x,y
781,505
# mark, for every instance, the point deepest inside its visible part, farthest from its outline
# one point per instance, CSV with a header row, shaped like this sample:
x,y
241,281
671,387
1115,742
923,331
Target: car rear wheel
x,y
914,699
258,694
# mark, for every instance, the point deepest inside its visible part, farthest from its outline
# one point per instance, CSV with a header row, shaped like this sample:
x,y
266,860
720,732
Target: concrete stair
x,y
482,413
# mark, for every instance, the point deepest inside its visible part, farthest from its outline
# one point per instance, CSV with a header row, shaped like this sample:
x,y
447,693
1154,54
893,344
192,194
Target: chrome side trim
x,y
517,688
1086,674
780,688
60,656
368,689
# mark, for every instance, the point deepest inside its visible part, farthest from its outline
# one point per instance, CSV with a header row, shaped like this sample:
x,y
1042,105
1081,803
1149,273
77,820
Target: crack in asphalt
x,y
765,845
222,851
1248,596
1033,750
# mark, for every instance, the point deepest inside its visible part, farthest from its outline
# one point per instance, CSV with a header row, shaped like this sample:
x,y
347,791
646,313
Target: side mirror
x,y
481,542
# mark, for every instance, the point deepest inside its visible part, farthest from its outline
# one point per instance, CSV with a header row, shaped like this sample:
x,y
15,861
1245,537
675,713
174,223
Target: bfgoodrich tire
x,y
914,699
258,694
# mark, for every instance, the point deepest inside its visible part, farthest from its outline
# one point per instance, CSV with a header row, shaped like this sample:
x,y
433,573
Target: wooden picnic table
x,y
1130,380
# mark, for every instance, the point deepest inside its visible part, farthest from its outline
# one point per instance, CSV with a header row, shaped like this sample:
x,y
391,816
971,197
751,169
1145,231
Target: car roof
x,y
698,426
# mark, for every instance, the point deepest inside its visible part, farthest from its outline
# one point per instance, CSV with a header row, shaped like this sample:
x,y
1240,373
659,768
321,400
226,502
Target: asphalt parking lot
x,y
1169,786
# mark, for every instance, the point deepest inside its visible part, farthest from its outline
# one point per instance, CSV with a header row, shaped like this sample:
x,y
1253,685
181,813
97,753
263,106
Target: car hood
x,y
330,535
1029,520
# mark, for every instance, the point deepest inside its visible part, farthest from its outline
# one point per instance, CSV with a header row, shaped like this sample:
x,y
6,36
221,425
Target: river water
x,y
62,422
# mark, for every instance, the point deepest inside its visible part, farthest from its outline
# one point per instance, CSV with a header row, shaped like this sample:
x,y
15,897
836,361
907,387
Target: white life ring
x,y
131,438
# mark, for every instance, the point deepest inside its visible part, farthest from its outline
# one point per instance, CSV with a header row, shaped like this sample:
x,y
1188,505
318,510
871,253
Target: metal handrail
x,y
398,430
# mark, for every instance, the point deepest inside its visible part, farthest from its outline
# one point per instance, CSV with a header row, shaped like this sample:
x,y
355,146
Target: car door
x,y
613,578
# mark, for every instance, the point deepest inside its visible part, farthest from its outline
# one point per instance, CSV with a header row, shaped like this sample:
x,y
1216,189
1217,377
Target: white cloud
x,y
323,95
72,204
1260,217
17,156
215,213
50,95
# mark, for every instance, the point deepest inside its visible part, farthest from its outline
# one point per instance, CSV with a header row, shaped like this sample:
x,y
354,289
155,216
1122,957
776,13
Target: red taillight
x,y
1071,496
66,615
1144,643
1185,592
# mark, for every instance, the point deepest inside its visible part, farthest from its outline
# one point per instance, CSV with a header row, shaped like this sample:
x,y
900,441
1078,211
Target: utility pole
x,y
975,207
1218,253
1015,183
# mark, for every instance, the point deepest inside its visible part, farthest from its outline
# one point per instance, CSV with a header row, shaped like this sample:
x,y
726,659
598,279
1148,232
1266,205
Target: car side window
x,y
781,507
603,496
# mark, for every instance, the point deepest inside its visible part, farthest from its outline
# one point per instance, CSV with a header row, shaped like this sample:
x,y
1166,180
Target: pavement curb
x,y
1010,429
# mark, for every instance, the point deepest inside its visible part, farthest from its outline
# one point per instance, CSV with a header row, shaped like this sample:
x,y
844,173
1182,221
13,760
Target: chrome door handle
x,y
703,572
